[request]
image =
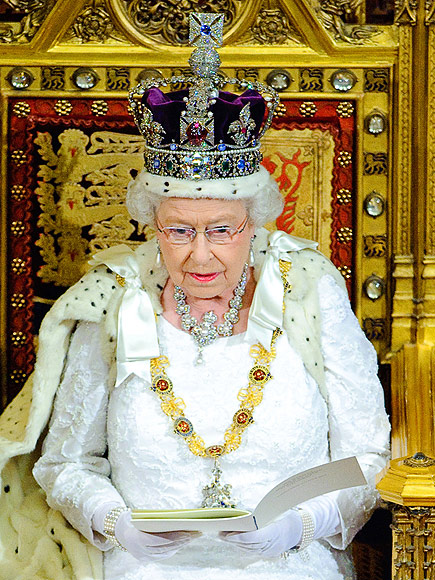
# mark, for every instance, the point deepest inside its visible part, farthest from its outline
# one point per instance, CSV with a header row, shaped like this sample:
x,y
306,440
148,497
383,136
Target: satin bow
x,y
137,333
266,311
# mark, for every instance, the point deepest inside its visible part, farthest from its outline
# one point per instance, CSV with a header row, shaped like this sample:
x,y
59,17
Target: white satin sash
x,y
137,332
266,312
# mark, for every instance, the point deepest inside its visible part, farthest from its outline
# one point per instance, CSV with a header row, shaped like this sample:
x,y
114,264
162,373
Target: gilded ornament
x,y
375,164
18,192
375,328
405,12
18,301
117,79
281,110
21,109
279,79
120,280
311,79
18,376
35,11
344,158
18,157
63,107
18,228
345,109
53,78
345,271
93,24
249,74
376,80
273,27
344,235
99,108
18,338
307,215
20,78
419,459
344,196
18,266
168,22
308,109
375,246
334,13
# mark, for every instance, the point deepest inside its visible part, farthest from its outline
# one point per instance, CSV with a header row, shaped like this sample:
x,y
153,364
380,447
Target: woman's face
x,y
203,269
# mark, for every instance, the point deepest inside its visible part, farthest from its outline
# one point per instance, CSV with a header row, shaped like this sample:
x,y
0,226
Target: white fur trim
x,y
229,188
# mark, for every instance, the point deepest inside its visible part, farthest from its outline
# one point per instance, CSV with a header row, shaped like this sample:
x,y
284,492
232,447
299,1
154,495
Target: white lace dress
x,y
147,465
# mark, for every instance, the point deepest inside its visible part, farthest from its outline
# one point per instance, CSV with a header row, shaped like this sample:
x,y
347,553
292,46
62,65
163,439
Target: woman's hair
x,y
259,192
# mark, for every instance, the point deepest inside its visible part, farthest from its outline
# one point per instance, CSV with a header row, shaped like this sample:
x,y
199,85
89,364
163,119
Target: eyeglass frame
x,y
237,231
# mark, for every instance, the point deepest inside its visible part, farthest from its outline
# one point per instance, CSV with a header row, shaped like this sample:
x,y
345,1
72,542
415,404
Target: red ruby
x,y
259,375
162,385
242,418
196,133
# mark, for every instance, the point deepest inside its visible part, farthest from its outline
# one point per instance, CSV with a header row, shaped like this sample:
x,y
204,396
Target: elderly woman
x,y
161,379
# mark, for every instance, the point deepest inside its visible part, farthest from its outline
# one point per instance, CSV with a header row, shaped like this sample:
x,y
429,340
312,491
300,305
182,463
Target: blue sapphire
x,y
241,164
156,163
205,30
173,146
222,147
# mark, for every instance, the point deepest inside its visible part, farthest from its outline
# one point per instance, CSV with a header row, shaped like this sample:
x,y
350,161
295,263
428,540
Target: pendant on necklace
x,y
217,494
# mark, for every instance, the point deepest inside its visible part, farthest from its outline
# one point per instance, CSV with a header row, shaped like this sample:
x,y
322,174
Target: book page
x,y
289,493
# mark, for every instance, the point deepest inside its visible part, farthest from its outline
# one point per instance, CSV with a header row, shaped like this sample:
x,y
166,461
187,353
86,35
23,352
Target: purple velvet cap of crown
x,y
166,109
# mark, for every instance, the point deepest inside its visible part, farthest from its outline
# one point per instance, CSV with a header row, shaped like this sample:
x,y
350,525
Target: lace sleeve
x,y
358,424
72,469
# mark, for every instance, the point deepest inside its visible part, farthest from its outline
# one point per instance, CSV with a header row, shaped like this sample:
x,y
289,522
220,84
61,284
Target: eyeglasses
x,y
178,235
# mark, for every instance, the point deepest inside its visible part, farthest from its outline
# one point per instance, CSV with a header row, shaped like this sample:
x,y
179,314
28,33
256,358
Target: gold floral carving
x,y
18,192
167,21
273,27
94,25
77,220
405,12
333,14
35,11
18,266
99,108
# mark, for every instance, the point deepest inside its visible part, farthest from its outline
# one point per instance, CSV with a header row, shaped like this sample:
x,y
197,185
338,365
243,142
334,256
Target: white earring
x,y
251,253
159,255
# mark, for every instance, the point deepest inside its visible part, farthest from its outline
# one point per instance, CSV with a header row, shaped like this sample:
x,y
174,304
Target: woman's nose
x,y
201,250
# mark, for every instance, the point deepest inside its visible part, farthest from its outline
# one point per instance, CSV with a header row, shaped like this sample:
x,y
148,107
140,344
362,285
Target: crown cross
x,y
206,30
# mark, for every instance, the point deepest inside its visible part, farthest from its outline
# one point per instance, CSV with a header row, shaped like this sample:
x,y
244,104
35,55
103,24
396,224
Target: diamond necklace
x,y
206,332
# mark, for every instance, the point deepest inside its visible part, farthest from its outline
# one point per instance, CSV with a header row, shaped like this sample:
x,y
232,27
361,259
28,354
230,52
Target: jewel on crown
x,y
218,132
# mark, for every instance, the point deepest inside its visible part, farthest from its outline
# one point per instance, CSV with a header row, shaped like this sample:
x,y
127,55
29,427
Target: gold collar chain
x,y
249,397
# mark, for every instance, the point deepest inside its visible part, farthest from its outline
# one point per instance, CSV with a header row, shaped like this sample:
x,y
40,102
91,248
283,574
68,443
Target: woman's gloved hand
x,y
144,546
271,540
316,518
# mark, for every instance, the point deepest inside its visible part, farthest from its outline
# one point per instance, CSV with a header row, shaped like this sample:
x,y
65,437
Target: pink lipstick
x,y
204,277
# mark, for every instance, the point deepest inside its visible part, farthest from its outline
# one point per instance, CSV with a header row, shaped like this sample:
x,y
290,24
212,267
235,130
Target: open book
x,y
296,489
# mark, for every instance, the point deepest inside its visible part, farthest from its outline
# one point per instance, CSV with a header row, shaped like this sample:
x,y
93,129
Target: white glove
x,y
271,540
286,533
144,546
